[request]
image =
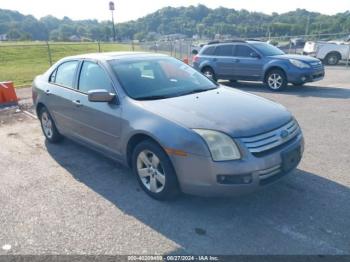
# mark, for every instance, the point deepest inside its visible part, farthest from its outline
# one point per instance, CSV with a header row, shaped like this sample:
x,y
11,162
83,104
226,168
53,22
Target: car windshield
x,y
267,49
159,78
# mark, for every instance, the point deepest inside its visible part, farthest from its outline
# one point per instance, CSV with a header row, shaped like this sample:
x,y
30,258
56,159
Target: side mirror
x,y
194,52
100,95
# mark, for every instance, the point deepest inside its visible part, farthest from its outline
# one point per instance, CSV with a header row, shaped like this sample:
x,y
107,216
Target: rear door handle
x,y
236,60
47,92
77,103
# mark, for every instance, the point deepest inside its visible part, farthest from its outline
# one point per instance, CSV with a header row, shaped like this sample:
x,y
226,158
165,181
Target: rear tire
x,y
48,126
332,59
154,171
276,80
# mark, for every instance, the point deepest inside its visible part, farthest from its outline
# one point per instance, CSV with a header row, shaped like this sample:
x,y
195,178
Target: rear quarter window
x,y
208,50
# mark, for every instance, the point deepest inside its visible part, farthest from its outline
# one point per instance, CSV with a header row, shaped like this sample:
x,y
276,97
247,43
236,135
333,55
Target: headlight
x,y
221,146
299,64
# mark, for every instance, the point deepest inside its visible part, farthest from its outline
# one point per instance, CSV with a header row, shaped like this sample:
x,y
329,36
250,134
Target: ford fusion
x,y
176,129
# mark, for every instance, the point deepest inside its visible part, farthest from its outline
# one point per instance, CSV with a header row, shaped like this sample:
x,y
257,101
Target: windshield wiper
x,y
194,91
158,97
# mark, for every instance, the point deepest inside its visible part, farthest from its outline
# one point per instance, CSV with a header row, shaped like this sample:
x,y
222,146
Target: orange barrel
x,y
185,60
7,93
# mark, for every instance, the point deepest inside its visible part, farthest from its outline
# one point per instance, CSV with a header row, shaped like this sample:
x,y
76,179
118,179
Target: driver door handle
x,y
77,103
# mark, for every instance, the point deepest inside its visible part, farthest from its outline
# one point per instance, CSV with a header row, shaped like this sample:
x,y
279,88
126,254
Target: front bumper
x,y
201,176
301,76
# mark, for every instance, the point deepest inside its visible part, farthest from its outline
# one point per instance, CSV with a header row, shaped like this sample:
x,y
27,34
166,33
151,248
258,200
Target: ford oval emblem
x,y
284,134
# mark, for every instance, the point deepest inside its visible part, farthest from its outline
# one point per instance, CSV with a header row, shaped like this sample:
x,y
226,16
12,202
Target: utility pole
x,y
319,32
307,26
112,8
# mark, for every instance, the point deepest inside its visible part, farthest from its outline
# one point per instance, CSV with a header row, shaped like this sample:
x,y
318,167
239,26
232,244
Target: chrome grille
x,y
272,139
270,175
267,173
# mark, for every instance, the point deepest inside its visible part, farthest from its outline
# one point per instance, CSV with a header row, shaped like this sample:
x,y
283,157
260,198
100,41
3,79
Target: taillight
x,y
195,59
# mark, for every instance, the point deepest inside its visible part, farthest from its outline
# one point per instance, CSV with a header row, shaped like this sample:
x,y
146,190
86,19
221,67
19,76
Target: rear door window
x,y
64,75
224,50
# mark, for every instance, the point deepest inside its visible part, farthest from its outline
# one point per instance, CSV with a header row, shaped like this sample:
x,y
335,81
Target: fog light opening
x,y
247,180
234,179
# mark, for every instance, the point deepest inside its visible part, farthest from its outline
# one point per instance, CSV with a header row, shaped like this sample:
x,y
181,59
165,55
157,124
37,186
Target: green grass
x,y
22,61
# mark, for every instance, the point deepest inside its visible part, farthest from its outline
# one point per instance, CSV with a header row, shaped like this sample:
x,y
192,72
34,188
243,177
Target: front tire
x,y
276,80
209,73
48,126
154,171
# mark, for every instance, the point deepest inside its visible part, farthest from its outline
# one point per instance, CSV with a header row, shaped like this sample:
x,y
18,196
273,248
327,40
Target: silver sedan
x,y
177,130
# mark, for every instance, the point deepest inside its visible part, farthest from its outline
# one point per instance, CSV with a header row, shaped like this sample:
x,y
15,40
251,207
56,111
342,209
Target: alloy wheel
x,y
209,74
150,171
332,60
47,124
275,81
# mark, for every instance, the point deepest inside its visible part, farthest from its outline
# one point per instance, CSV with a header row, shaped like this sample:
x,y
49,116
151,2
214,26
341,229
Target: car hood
x,y
303,58
224,109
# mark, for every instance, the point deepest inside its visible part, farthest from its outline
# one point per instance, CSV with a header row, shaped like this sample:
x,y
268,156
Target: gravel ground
x,y
66,199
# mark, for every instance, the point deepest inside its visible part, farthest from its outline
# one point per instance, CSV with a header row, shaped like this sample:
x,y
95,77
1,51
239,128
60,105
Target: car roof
x,y
114,55
233,43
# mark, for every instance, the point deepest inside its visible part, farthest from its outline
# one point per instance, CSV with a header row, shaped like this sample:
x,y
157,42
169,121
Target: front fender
x,y
284,65
165,132
204,64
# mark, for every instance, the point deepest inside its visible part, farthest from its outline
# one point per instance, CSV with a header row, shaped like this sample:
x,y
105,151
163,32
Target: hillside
x,y
189,21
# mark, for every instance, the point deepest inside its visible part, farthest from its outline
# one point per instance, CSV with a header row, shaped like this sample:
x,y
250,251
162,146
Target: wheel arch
x,y
133,141
39,106
207,66
274,67
337,53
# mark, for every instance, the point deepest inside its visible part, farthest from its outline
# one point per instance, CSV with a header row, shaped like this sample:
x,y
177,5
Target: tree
x,y
140,36
200,29
169,20
54,35
14,34
66,31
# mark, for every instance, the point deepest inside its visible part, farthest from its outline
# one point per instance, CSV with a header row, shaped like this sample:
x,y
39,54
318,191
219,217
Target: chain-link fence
x,y
182,49
22,61
177,48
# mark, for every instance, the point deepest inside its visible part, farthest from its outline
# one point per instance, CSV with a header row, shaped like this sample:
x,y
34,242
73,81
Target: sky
x,y
132,9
